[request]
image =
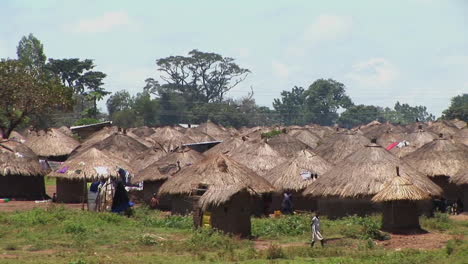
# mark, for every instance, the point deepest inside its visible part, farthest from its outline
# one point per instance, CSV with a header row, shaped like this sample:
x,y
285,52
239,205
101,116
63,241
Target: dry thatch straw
x,y
121,146
378,130
462,136
215,197
226,146
17,159
286,145
215,131
143,131
169,138
168,165
198,136
215,172
364,172
14,135
388,138
337,147
415,127
460,178
322,131
147,144
51,143
148,157
443,127
66,130
258,156
97,137
460,124
305,136
440,157
416,140
398,189
87,161
287,175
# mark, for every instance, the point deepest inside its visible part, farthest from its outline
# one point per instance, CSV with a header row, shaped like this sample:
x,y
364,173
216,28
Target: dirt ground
x,y
460,217
418,241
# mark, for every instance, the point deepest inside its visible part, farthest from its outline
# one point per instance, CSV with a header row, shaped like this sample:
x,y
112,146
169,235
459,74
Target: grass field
x,y
59,235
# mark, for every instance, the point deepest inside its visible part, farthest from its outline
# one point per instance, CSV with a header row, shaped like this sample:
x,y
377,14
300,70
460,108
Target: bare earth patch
x,y
418,241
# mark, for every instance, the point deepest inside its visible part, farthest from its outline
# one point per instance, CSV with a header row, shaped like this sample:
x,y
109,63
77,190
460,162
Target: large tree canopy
x,y
290,106
30,52
360,115
25,91
201,76
458,108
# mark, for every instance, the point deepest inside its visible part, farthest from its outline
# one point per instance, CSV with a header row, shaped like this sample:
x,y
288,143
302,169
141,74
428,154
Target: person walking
x,y
316,233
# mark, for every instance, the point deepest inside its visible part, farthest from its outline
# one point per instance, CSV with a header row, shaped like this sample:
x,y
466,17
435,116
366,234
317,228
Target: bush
x,y
288,225
210,239
274,251
74,228
271,134
440,222
367,228
86,121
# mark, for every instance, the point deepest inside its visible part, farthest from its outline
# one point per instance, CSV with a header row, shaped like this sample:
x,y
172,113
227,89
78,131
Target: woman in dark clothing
x,y
120,202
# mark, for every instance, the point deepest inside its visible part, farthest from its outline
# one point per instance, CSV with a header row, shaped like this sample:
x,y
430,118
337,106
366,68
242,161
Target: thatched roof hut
x,y
286,145
462,136
389,137
364,173
216,131
415,140
121,146
51,143
66,130
198,136
227,146
143,131
399,198
305,136
216,171
148,157
169,138
337,147
258,156
378,130
14,135
97,137
460,124
21,175
287,176
440,157
415,127
322,131
443,127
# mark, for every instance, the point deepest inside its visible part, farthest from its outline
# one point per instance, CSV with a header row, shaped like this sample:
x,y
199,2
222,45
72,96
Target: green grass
x,y
59,235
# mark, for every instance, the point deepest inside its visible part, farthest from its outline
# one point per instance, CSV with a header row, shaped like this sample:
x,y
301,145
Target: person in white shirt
x,y
316,234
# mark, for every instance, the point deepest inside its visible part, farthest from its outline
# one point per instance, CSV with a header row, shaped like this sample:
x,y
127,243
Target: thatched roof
x,y
440,157
168,165
51,143
14,135
462,136
121,146
258,156
415,140
322,131
97,137
460,178
305,136
287,175
460,124
226,146
216,172
398,189
216,131
388,138
215,197
198,136
286,145
415,127
89,163
143,131
17,159
148,144
337,147
169,138
443,127
364,173
66,130
148,157
379,130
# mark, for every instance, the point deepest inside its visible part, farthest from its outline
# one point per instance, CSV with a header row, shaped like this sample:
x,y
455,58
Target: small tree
x,y
458,108
25,92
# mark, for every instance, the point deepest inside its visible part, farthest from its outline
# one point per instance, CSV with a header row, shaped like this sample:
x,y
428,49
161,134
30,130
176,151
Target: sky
x,y
412,51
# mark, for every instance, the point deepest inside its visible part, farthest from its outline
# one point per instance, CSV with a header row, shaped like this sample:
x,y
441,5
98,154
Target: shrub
x,y
369,228
274,251
271,134
440,222
74,228
210,239
288,225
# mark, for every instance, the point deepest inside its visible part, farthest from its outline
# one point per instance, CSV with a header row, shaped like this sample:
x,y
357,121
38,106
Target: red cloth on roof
x,y
394,144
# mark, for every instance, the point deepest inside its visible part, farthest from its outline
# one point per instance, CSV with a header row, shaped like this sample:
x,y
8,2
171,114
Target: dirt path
x,y
419,241
460,217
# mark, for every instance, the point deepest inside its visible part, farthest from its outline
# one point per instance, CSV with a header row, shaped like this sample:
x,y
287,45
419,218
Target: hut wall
x,y
450,190
22,187
464,197
70,191
234,216
400,216
300,202
182,205
341,207
144,196
424,207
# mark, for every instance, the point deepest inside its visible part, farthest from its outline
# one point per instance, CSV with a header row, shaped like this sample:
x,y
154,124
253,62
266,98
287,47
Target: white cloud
x,y
327,27
280,69
374,72
107,22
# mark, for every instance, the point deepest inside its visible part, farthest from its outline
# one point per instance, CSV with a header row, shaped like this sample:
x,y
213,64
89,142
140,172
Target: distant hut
x,y
143,132
169,138
443,127
21,175
286,145
295,175
322,131
16,136
230,189
52,144
347,188
461,180
415,127
258,156
378,130
337,147
305,136
198,136
460,124
97,137
148,157
121,146
399,198
226,146
440,160
415,140
154,175
462,136
216,131
66,130
389,137
86,166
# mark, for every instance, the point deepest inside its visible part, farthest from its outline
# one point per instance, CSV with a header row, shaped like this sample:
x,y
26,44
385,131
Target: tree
x,y
30,52
360,115
458,108
405,114
323,98
290,106
119,101
25,92
201,76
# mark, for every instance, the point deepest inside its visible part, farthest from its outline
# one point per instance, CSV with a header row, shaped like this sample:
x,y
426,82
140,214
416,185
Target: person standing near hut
x,y
316,234
287,204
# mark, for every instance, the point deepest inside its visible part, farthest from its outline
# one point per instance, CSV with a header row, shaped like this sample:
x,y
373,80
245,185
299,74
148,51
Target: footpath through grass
x,y
59,235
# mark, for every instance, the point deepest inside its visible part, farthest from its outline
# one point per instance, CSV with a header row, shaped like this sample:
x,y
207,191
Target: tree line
x,y
42,92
